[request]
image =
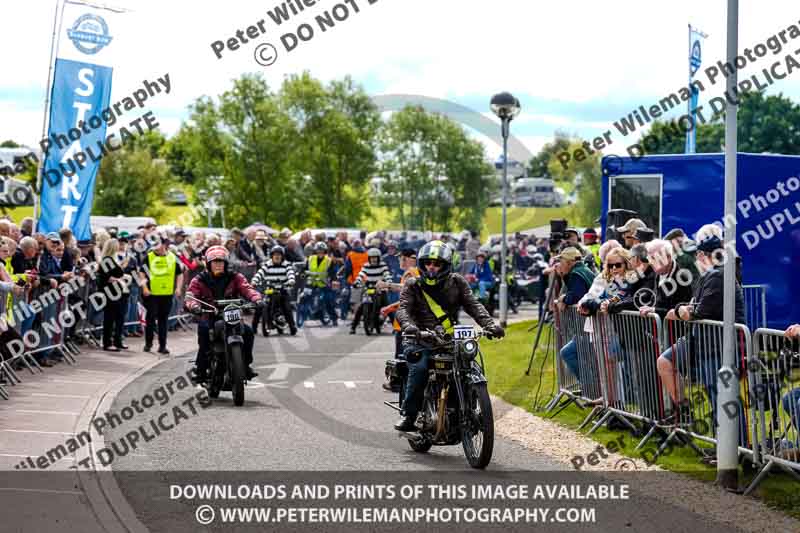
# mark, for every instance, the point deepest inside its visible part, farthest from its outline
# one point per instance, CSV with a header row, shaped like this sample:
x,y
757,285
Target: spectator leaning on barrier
x,y
577,279
9,290
51,275
706,304
674,283
161,278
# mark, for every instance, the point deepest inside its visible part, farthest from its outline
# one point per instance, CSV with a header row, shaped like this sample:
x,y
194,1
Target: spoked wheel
x,y
215,378
477,436
237,374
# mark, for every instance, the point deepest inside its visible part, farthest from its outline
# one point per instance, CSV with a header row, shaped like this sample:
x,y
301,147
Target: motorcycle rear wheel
x,y
237,374
477,438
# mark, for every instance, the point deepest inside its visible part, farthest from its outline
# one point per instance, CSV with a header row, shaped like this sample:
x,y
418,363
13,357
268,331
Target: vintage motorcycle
x,y
274,295
371,310
456,407
227,370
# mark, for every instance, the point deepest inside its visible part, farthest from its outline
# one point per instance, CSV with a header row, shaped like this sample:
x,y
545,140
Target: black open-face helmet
x,y
435,252
277,249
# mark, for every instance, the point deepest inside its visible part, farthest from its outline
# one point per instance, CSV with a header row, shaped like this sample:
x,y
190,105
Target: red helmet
x,y
217,252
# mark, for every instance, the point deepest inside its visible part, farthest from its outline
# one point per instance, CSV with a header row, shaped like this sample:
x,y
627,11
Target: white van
x,y
528,192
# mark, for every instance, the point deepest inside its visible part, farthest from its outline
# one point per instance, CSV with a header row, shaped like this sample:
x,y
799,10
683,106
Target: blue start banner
x,y
81,90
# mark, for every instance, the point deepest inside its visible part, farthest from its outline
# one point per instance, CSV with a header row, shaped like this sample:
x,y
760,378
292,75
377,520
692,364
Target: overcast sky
x,y
574,65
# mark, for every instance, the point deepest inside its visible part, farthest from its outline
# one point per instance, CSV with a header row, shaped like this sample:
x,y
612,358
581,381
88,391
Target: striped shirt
x,y
272,274
372,274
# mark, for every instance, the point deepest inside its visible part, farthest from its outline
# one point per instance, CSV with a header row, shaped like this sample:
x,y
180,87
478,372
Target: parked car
x,y
175,197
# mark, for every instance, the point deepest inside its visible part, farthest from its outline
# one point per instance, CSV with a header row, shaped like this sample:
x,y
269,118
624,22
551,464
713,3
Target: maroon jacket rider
x,y
218,282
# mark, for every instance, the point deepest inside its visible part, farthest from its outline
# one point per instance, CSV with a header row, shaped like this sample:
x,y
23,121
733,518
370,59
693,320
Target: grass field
x,y
506,362
519,218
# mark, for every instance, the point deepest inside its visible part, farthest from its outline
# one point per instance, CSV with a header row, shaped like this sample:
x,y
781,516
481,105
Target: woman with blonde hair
x,y
112,281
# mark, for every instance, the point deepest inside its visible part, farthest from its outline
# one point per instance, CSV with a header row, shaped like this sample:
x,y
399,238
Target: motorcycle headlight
x,y
470,349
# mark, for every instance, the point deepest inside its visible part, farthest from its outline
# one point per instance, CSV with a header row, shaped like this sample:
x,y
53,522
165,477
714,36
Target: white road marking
x,y
65,413
60,395
49,491
308,384
281,370
75,382
38,432
278,385
351,384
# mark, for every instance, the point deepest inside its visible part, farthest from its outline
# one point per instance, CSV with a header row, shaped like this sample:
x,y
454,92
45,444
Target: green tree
x,y
764,124
9,144
129,183
435,176
539,165
337,129
259,180
589,193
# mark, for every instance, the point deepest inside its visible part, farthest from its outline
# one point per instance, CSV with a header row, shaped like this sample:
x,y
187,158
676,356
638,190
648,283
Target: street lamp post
x,y
506,107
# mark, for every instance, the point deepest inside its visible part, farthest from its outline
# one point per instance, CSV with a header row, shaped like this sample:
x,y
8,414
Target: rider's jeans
x,y
417,359
204,345
484,286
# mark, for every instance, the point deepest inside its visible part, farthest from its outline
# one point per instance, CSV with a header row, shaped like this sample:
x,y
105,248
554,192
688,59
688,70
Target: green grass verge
x,y
506,362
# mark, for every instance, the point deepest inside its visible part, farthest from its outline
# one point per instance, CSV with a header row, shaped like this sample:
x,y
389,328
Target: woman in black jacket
x,y
110,281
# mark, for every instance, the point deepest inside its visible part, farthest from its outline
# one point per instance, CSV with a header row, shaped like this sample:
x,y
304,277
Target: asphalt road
x,y
316,412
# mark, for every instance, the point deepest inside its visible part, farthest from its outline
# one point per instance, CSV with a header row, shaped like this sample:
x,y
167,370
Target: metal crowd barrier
x,y
697,349
755,306
585,388
618,374
629,346
774,374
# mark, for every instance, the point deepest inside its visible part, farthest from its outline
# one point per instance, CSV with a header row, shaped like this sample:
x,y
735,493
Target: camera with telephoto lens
x,y
558,229
788,361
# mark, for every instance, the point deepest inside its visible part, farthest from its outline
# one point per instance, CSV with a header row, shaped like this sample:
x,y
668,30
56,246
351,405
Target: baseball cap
x,y
710,244
53,236
569,254
123,236
632,225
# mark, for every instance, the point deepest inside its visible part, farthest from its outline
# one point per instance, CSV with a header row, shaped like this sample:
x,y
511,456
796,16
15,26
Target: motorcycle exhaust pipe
x,y
441,414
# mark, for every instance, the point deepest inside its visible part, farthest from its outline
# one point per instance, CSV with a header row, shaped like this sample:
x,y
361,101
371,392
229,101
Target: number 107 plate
x,y
232,315
463,332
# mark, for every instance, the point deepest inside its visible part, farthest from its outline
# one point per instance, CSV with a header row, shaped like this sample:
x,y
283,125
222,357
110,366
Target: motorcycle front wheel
x,y
477,435
237,374
215,378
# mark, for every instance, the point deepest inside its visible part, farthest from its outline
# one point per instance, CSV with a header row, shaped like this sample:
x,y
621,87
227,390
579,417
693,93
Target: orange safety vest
x,y
357,259
411,272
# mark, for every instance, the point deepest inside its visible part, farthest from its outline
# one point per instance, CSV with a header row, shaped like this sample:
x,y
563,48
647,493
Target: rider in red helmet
x,y
218,282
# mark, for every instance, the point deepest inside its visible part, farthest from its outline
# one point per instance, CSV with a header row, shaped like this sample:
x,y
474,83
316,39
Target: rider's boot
x,y
200,375
250,373
293,331
406,423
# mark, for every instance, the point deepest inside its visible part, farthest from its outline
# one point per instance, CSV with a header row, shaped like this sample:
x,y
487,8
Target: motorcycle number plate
x,y
463,332
269,291
370,291
232,315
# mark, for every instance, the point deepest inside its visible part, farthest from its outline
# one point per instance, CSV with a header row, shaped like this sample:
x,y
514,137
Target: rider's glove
x,y
411,330
196,310
495,331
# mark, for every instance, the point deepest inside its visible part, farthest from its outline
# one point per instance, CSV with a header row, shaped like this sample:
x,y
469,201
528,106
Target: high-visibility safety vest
x,y
318,270
595,249
162,273
357,259
439,313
